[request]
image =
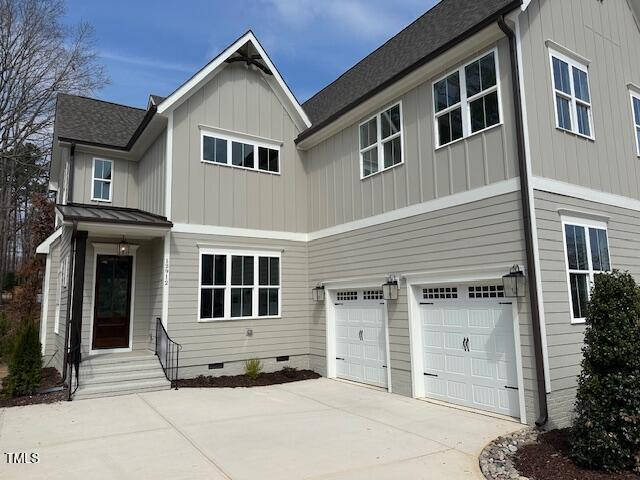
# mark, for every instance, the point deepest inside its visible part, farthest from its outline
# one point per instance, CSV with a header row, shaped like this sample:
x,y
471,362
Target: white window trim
x,y
466,101
256,254
63,280
94,178
573,100
586,224
239,139
635,95
379,141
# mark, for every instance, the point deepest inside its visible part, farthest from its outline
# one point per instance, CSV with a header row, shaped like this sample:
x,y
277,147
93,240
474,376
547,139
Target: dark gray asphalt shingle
x,y
106,214
95,121
437,28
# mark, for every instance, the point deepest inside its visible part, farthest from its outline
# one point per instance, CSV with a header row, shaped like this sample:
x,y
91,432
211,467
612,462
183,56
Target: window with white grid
x,y
486,291
347,296
372,295
439,293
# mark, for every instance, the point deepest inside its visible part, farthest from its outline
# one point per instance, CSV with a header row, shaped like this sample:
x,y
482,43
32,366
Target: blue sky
x,y
154,46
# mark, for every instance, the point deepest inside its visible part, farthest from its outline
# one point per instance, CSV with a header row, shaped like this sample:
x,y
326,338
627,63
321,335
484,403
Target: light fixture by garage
x,y
317,293
390,289
514,283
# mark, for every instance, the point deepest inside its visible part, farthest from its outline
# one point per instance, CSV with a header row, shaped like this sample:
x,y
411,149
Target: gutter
x,y
426,59
525,186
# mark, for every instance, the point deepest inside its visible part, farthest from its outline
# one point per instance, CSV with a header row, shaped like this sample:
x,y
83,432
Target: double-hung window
x,y
234,152
381,141
572,96
467,100
238,284
587,252
101,180
635,107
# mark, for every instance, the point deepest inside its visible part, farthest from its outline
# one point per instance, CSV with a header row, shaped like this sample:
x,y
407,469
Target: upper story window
x,y
238,285
223,150
635,106
467,101
587,253
102,178
381,141
572,97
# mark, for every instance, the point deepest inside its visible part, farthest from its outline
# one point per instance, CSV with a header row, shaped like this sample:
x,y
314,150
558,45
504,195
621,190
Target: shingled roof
x,y
430,35
94,121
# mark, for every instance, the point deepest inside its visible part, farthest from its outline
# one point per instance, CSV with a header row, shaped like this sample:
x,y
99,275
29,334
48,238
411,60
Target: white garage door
x,y
469,349
361,337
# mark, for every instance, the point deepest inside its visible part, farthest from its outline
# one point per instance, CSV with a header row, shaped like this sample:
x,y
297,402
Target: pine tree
x,y
25,366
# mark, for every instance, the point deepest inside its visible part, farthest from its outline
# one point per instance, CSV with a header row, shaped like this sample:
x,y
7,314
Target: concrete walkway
x,y
317,429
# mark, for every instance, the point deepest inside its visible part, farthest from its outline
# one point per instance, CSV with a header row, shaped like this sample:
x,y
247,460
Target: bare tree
x,y
39,58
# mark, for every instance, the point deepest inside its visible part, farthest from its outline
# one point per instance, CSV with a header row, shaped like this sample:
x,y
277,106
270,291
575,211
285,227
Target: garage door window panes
x,y
233,283
587,250
439,293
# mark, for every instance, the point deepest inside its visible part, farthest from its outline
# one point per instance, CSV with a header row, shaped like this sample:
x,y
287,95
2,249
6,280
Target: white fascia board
x,y
45,247
204,75
525,4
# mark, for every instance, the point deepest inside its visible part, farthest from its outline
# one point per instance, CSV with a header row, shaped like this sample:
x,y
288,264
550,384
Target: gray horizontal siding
x,y
226,341
564,339
239,100
338,195
469,236
607,34
65,250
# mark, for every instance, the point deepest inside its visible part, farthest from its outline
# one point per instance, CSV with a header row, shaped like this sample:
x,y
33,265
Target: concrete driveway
x,y
317,429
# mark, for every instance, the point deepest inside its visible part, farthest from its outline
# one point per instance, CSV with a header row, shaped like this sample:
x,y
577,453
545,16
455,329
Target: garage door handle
x,y
430,374
511,388
465,344
338,358
360,335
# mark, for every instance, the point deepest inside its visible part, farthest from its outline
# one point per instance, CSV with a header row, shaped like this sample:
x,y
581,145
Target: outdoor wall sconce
x,y
123,247
317,293
513,283
390,289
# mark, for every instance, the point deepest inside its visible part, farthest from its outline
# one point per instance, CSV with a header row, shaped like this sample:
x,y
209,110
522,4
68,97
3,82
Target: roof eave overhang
x,y
119,229
405,80
205,74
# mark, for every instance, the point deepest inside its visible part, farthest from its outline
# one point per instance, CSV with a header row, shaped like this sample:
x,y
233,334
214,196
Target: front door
x,y
112,310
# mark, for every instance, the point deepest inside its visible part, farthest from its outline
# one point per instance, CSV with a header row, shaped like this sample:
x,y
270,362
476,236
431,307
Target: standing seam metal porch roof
x,y
115,215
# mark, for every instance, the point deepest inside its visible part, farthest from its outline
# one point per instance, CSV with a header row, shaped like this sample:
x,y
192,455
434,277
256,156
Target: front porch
x,y
117,298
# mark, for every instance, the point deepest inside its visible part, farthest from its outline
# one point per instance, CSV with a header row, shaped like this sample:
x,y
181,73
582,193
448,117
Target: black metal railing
x,y
168,353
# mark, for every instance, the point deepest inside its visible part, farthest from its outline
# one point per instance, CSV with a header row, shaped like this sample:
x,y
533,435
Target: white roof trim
x,y
44,247
176,98
525,4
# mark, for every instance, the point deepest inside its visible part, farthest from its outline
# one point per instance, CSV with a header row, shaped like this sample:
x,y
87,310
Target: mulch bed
x,y
50,378
548,459
234,381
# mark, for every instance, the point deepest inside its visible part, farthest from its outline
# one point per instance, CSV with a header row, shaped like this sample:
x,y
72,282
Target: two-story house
x,y
366,233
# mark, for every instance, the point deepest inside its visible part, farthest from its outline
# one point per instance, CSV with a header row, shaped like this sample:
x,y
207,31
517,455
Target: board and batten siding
x,y
565,340
124,187
151,177
337,194
226,341
50,345
606,34
473,235
237,100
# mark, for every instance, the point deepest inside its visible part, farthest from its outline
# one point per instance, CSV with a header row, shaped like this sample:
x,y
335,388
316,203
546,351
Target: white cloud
x,y
147,62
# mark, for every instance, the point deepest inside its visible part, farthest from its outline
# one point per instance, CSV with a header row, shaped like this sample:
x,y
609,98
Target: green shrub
x,y
606,430
25,365
253,368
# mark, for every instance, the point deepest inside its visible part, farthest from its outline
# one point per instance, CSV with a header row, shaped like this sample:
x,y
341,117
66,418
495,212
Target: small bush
x,y
290,372
606,430
25,365
253,368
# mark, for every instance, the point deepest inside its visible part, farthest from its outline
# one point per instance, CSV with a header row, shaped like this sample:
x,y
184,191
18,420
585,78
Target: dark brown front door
x,y
111,315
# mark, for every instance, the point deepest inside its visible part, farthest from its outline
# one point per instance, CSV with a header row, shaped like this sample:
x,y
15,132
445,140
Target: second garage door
x,y
361,336
468,347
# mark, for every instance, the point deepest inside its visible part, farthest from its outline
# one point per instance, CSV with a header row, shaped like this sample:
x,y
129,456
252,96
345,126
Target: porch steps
x,y
115,374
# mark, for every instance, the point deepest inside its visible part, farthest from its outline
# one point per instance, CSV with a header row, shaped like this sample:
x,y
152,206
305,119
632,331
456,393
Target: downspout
x,y
528,224
67,320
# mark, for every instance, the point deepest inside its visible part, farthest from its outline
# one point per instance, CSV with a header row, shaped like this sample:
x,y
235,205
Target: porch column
x,y
78,293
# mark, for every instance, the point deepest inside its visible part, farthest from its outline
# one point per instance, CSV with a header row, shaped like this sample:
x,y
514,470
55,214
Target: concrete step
x,y
119,359
91,369
116,378
121,388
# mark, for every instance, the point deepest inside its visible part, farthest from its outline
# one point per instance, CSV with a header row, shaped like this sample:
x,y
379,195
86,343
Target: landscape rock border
x,y
497,458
